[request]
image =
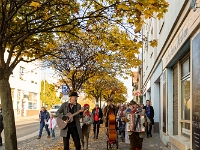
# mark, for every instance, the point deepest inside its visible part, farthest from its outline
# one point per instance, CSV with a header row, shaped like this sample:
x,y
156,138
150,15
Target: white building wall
x,y
158,29
27,81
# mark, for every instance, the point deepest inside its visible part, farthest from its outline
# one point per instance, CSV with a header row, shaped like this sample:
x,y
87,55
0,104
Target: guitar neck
x,y
76,113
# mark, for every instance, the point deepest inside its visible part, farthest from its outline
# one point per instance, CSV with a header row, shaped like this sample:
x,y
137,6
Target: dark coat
x,y
151,114
112,108
46,115
63,110
100,112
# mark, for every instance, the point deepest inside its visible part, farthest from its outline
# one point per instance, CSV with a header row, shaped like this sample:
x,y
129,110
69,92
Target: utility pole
x,y
44,90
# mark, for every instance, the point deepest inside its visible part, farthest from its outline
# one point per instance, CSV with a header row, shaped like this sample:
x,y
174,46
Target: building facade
x,y
25,88
170,74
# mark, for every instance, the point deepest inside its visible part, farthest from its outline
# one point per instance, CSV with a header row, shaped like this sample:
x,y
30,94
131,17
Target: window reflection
x,y
185,98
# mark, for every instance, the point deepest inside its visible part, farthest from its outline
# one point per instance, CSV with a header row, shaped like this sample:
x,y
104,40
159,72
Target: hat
x,y
86,106
132,102
73,94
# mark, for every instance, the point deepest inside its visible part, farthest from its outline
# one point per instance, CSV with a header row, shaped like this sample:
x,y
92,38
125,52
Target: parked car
x,y
54,109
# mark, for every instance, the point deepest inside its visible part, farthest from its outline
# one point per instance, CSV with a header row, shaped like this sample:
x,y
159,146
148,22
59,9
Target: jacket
x,y
100,113
54,123
46,115
87,119
151,114
63,110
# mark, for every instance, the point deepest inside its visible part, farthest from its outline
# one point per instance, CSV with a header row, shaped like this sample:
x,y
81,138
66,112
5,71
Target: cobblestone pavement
x,y
153,143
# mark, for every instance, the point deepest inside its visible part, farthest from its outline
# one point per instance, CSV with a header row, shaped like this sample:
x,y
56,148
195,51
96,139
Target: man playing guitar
x,y
72,125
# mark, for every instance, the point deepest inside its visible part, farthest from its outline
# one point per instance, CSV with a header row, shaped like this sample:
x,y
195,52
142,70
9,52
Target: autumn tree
x,y
75,63
100,86
48,94
27,27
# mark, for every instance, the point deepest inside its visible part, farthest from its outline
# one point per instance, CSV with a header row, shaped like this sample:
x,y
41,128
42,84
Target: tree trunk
x,y
97,99
8,115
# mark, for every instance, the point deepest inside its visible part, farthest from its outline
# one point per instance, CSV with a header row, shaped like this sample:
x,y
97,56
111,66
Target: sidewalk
x,y
153,143
27,119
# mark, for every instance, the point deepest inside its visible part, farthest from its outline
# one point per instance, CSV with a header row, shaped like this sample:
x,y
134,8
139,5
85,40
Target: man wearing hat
x,y
86,121
98,115
73,128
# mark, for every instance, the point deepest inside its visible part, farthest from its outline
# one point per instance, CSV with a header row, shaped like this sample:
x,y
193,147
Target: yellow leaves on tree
x,y
153,43
35,5
100,86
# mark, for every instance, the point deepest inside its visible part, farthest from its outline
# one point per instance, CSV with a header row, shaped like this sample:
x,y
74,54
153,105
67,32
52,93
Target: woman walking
x,y
98,115
86,122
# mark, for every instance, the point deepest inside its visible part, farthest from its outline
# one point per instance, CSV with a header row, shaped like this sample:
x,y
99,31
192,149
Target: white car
x,y
54,109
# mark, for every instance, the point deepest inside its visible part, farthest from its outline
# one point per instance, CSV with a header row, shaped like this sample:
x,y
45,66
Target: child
x,y
52,124
87,120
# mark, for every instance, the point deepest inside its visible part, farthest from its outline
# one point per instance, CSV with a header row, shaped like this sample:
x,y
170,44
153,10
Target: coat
x,y
151,114
54,123
100,113
63,110
46,115
87,119
106,110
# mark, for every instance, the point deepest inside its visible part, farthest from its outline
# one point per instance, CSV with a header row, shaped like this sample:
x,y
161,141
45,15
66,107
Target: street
x,y
24,131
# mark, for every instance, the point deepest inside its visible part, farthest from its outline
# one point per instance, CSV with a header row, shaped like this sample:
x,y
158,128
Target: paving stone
x,y
153,143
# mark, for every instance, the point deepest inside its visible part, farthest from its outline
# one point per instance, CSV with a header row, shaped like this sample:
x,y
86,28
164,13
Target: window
x,y
12,93
32,105
185,98
32,101
21,72
18,94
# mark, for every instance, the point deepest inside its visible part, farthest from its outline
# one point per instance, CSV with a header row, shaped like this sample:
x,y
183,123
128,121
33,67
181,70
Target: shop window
x,y
185,98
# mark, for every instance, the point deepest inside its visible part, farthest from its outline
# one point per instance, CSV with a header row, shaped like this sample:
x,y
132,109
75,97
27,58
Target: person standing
x,y
127,141
44,117
136,138
121,124
87,120
73,128
52,124
1,125
150,114
109,108
98,115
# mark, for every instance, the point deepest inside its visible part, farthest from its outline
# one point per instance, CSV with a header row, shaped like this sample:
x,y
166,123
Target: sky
x,y
128,84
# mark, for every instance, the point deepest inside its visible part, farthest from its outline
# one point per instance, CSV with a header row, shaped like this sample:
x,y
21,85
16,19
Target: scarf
x,y
87,113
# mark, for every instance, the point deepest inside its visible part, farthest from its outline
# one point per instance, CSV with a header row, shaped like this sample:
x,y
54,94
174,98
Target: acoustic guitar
x,y
62,124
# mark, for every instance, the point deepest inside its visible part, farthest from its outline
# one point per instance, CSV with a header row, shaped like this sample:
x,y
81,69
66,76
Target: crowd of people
x,y
79,126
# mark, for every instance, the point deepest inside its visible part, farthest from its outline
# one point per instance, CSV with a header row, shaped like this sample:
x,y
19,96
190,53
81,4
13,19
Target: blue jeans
x,y
42,125
53,133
